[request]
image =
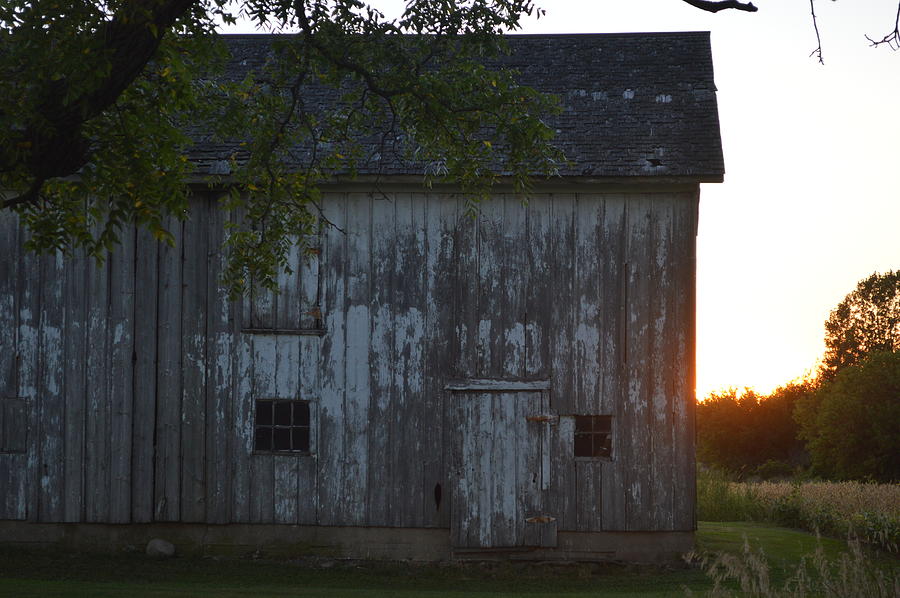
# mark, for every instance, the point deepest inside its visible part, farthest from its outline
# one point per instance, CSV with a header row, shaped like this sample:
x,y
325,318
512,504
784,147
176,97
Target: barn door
x,y
498,468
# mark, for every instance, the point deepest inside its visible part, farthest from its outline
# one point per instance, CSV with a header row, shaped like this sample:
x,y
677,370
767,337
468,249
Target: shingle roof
x,y
634,104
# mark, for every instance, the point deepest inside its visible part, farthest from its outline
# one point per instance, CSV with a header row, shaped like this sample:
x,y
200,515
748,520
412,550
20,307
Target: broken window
x,y
593,436
281,426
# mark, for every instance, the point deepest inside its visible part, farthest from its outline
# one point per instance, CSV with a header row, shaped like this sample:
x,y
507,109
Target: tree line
x,y
842,423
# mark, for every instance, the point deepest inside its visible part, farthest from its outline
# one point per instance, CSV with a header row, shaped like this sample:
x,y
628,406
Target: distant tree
x,y
851,426
867,320
740,432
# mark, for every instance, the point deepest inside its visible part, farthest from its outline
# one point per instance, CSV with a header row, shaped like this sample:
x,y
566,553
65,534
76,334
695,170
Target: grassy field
x,y
55,574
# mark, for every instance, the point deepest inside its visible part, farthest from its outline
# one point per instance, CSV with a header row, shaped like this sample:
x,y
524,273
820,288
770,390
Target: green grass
x,y
66,575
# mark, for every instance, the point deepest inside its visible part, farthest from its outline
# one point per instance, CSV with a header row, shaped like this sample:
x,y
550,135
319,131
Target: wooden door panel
x,y
497,467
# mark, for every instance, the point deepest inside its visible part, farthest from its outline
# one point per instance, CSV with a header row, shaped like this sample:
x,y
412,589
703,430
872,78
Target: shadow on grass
x,y
47,573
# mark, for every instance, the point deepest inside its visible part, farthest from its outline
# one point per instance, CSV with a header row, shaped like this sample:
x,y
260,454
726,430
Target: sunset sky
x,y
810,203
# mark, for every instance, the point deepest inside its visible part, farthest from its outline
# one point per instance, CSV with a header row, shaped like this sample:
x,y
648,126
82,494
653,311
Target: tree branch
x,y
892,39
130,39
711,6
818,50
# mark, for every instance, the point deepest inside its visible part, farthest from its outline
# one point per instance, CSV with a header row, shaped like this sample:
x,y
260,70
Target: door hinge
x,y
540,519
544,418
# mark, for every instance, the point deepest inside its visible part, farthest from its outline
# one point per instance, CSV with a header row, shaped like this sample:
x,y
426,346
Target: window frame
x,y
291,427
605,428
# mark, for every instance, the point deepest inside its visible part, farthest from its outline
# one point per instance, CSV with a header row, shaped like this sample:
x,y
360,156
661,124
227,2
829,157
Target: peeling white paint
x,y
628,94
663,98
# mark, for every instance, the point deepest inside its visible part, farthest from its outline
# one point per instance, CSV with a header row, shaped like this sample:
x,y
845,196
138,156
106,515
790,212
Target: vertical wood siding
x,y
135,379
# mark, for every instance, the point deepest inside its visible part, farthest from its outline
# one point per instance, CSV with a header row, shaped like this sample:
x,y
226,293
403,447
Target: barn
x,y
426,385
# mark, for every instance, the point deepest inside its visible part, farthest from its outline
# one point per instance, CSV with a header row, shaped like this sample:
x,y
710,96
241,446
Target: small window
x,y
593,436
281,426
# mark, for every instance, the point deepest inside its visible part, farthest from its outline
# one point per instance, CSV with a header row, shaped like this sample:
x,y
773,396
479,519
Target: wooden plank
x,y
263,310
381,379
262,466
220,352
586,304
354,479
490,339
409,369
528,493
562,324
120,331
98,417
516,285
440,221
588,492
310,390
612,255
287,301
9,313
562,503
482,474
286,486
497,385
50,397
144,381
29,374
310,286
548,522
195,256
13,420
684,228
612,495
505,514
242,441
614,296
331,452
458,419
287,386
167,488
539,294
662,356
635,412
12,466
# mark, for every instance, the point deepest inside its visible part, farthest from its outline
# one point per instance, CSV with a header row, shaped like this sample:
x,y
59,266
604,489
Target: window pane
x,y
583,424
602,445
282,413
301,414
583,445
282,439
263,439
301,439
264,413
603,424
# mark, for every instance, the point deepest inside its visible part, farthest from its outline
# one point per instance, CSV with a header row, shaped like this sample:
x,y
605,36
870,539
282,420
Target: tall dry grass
x,y
845,498
870,512
851,575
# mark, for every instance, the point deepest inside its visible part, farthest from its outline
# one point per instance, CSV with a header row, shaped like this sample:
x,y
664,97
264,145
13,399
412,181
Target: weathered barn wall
x,y
127,388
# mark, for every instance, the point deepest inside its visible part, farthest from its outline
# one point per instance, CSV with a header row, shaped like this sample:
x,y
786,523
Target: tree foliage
x,y
866,321
851,426
741,432
98,101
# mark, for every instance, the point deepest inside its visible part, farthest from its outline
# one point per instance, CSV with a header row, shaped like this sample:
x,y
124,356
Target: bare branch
x,y
818,51
892,39
711,6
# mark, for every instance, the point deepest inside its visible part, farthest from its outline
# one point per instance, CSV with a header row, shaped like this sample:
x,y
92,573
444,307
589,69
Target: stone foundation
x,y
375,543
